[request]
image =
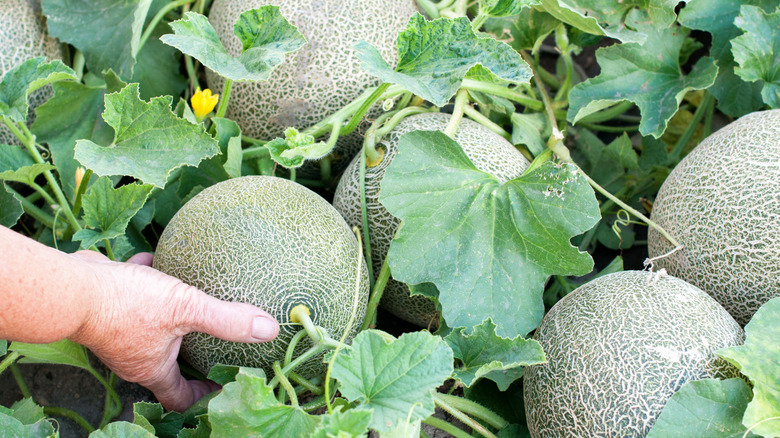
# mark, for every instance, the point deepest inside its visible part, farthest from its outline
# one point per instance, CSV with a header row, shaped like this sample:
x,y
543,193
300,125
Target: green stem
x,y
608,113
291,346
429,8
479,20
364,212
253,152
324,126
295,377
563,91
676,153
52,411
461,100
446,427
8,361
501,91
473,409
465,419
111,395
376,295
191,73
285,384
157,18
78,64
315,404
478,117
43,217
629,209
20,381
46,197
363,109
306,355
80,192
604,128
109,251
547,77
224,98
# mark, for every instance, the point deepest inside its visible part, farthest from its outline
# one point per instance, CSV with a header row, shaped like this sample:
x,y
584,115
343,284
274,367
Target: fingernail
x,y
263,329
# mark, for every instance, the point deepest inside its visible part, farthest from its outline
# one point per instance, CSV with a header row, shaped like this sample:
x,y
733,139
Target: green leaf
x,y
153,418
27,411
350,423
17,165
434,57
202,430
735,96
157,67
229,137
73,113
758,359
248,407
107,211
615,18
394,378
295,148
10,211
11,427
487,247
64,352
108,32
266,37
647,74
531,131
508,404
21,81
707,408
503,8
3,347
149,142
122,429
609,164
484,354
524,31
758,51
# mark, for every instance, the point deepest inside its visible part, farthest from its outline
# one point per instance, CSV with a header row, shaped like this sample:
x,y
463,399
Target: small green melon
x,y
617,348
272,243
320,78
24,36
722,204
488,151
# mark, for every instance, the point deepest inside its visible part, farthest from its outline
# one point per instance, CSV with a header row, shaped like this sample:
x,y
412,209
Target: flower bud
x,y
203,102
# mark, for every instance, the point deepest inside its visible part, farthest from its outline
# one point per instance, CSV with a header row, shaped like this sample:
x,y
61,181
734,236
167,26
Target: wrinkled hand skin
x,y
136,325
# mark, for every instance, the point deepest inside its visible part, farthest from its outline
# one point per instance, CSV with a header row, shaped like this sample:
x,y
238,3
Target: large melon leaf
x,y
435,56
64,352
504,8
21,81
114,34
10,212
122,429
351,423
150,141
25,419
393,378
758,51
647,74
710,407
266,37
248,407
487,247
759,360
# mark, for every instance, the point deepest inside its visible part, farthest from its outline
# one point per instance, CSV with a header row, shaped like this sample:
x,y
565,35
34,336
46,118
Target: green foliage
x,y
25,419
397,381
350,423
295,148
17,85
10,211
114,34
123,429
149,141
757,51
434,57
758,359
266,37
457,219
483,354
710,407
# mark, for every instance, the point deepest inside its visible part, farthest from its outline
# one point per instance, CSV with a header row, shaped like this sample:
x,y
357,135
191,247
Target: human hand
x,y
139,318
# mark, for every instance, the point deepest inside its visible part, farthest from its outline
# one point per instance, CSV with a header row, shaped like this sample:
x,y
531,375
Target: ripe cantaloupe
x,y
617,348
272,243
24,36
320,78
722,204
488,151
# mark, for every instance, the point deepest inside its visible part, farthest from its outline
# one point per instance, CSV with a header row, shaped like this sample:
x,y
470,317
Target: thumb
x,y
230,321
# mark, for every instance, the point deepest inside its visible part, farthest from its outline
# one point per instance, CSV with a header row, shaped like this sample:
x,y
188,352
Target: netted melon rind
x,y
722,204
24,36
320,78
272,243
488,151
617,348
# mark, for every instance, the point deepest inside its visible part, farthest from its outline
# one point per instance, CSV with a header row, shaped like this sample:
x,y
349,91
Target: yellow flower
x,y
79,175
203,102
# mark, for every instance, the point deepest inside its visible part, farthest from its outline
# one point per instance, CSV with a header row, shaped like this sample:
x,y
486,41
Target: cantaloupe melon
x,y
321,77
722,204
488,151
24,36
617,348
272,243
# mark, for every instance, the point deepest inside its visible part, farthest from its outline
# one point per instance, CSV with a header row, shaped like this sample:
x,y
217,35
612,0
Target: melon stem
x,y
225,98
461,100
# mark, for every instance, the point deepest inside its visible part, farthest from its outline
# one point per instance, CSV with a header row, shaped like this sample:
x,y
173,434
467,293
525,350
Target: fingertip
x,y
264,328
